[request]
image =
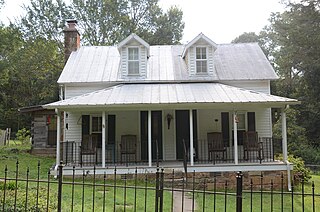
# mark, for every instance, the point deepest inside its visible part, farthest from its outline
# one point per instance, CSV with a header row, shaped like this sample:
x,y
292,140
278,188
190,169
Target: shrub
x,y
23,135
300,171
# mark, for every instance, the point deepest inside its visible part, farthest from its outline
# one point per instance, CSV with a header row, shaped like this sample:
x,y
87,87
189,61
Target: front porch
x,y
74,154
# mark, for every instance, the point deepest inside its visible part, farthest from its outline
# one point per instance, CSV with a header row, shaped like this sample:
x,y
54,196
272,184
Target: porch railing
x,y
74,154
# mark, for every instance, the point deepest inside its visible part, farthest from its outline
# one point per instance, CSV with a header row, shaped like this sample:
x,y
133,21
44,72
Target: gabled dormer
x,y
198,55
134,53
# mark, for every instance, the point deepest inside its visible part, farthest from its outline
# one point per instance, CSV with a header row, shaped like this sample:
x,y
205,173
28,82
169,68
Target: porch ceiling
x,y
171,94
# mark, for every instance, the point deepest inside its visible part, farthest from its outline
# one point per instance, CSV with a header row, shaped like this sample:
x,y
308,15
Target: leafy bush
x,y
23,135
300,171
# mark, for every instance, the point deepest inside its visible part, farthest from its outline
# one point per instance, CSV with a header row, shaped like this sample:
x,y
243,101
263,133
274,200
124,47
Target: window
x,y
201,60
133,61
96,124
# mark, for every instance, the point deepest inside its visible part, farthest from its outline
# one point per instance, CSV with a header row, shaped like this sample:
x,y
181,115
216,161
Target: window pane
x,y
133,53
96,124
133,67
201,66
242,121
201,53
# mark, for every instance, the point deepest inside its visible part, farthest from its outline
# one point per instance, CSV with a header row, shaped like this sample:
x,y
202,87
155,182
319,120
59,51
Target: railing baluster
x,y
145,192
38,177
193,187
72,189
251,195
292,198
282,192
93,187
302,196
48,190
204,195
214,191
271,196
125,193
135,189
114,189
313,200
261,192
27,186
4,188
16,186
104,192
172,190
225,195
82,202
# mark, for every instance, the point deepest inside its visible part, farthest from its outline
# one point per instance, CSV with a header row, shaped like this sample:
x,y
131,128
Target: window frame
x,y
99,124
201,60
133,60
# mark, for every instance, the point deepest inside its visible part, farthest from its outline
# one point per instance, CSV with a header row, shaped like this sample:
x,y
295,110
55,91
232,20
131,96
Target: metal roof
x,y
165,64
179,93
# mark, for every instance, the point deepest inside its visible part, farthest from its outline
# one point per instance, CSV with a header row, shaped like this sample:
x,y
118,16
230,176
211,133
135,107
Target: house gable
x,y
134,53
198,55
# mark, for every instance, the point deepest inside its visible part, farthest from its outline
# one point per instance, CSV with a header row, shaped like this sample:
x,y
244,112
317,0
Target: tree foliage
x,y
295,41
246,37
104,22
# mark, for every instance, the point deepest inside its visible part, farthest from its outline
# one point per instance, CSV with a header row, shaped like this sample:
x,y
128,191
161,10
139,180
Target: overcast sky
x,y
220,20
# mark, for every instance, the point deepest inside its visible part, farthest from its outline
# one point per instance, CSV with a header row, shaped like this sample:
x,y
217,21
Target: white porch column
x,y
284,135
149,139
235,137
191,136
103,139
58,137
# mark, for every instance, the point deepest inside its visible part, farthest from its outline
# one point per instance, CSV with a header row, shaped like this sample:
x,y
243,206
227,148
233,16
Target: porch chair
x,y
88,149
251,144
215,144
128,146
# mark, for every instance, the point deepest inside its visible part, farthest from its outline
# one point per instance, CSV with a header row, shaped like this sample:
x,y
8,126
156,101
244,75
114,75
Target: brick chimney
x,y
71,38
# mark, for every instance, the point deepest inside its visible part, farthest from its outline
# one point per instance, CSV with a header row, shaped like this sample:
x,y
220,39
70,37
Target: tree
x,y
295,42
104,22
246,37
29,69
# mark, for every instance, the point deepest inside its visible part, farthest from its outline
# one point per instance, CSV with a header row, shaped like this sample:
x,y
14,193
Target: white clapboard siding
x,y
262,86
72,91
210,61
169,145
73,133
143,61
124,58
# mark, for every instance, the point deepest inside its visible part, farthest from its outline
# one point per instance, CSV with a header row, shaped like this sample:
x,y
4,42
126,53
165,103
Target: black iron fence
x,y
74,153
161,191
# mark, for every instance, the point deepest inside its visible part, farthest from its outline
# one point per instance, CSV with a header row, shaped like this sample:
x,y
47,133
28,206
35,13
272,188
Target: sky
x,y
220,20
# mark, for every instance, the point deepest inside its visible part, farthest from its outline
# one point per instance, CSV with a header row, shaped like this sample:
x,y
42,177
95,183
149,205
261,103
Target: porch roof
x,y
171,94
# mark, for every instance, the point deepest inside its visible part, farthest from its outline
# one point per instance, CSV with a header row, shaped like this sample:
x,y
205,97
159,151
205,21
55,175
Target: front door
x,y
156,135
183,132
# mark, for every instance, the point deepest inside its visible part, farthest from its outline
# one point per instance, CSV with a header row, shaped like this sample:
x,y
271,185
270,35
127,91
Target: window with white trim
x,y
133,61
201,60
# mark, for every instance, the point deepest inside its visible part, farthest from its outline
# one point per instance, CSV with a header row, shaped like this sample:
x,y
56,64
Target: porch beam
x,y
284,135
149,139
235,137
103,139
191,137
58,137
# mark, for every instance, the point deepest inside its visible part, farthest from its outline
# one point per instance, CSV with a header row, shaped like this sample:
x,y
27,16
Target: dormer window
x,y
201,60
133,61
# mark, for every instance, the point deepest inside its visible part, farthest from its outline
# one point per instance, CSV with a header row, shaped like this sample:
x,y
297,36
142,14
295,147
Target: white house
x,y
129,104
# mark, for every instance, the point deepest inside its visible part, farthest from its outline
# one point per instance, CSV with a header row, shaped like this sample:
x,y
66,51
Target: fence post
x,y
59,186
157,191
239,192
